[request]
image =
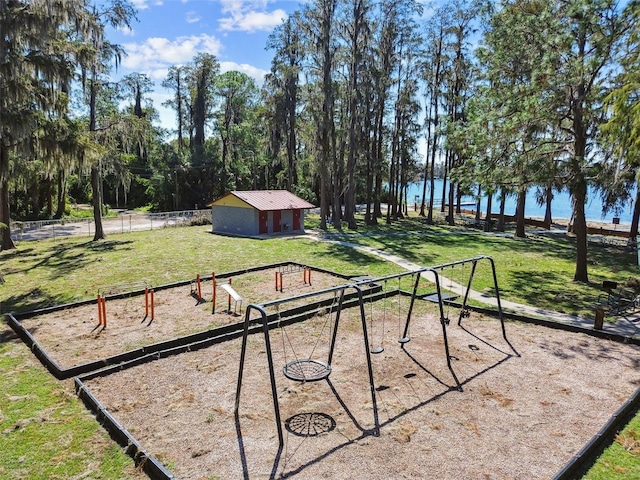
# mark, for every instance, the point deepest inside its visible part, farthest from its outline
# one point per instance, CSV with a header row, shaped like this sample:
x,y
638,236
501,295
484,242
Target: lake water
x,y
560,206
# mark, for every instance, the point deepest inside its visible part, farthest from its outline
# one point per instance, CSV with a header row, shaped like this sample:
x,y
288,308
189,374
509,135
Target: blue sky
x,y
172,32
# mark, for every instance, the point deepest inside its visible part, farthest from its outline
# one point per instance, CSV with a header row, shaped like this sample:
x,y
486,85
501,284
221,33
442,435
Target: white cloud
x,y
192,17
157,53
256,73
126,31
140,4
144,4
249,16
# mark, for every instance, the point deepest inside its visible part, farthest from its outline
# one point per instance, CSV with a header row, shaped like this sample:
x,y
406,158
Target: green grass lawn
x,y
536,270
43,425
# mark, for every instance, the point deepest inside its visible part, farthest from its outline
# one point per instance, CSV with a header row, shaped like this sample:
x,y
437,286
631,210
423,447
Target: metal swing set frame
x,y
311,370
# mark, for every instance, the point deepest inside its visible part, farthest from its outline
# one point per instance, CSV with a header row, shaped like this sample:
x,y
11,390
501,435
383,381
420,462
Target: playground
x,y
314,374
516,417
134,316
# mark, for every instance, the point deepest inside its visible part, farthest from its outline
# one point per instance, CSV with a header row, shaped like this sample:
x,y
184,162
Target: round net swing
x,y
306,370
309,369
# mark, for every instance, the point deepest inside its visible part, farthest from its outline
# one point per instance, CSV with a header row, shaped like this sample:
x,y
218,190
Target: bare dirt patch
x,y
517,416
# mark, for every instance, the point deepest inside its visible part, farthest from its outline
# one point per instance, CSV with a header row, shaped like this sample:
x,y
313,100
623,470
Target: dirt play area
x,y
514,408
75,336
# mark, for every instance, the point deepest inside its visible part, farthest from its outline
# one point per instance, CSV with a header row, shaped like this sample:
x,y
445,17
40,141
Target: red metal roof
x,y
271,199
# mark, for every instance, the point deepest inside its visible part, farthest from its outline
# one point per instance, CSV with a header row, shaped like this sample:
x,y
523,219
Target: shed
x,y
258,212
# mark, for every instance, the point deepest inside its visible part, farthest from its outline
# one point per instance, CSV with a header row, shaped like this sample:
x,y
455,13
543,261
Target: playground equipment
x,y
149,303
290,269
196,289
305,369
225,284
149,300
102,311
310,369
232,295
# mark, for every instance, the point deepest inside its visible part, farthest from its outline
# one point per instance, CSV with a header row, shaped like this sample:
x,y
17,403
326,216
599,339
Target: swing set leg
x,y
464,312
446,350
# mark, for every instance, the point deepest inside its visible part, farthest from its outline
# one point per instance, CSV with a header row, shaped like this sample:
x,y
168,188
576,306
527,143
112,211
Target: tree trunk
x,y
503,203
96,180
62,194
478,203
487,221
223,173
393,194
450,207
445,177
5,209
580,230
350,195
425,173
377,207
548,194
520,226
97,203
635,219
292,162
324,44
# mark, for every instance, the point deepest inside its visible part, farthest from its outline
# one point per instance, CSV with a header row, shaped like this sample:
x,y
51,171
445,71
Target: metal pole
x,y
466,294
272,376
372,386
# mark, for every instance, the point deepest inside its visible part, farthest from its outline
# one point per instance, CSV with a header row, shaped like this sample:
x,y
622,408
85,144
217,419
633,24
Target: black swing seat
x,y
433,297
306,370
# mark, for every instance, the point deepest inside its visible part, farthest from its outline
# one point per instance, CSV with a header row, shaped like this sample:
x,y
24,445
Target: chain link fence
x,y
123,223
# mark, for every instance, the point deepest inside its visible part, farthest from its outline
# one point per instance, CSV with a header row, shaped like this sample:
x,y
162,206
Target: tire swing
x,y
309,369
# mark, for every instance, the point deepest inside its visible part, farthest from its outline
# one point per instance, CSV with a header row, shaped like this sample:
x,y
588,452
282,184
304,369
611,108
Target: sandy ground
x,y
526,405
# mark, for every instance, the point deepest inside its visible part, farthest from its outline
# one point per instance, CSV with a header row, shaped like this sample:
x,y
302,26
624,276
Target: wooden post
x,y
152,304
104,312
213,296
99,303
213,309
146,302
199,287
599,321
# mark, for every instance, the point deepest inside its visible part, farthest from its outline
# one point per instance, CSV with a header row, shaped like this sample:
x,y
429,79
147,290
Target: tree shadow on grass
x,y
7,334
34,299
353,256
64,258
550,288
58,261
415,247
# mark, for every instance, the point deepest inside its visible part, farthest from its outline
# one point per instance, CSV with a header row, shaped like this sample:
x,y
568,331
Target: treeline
x,y
363,98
